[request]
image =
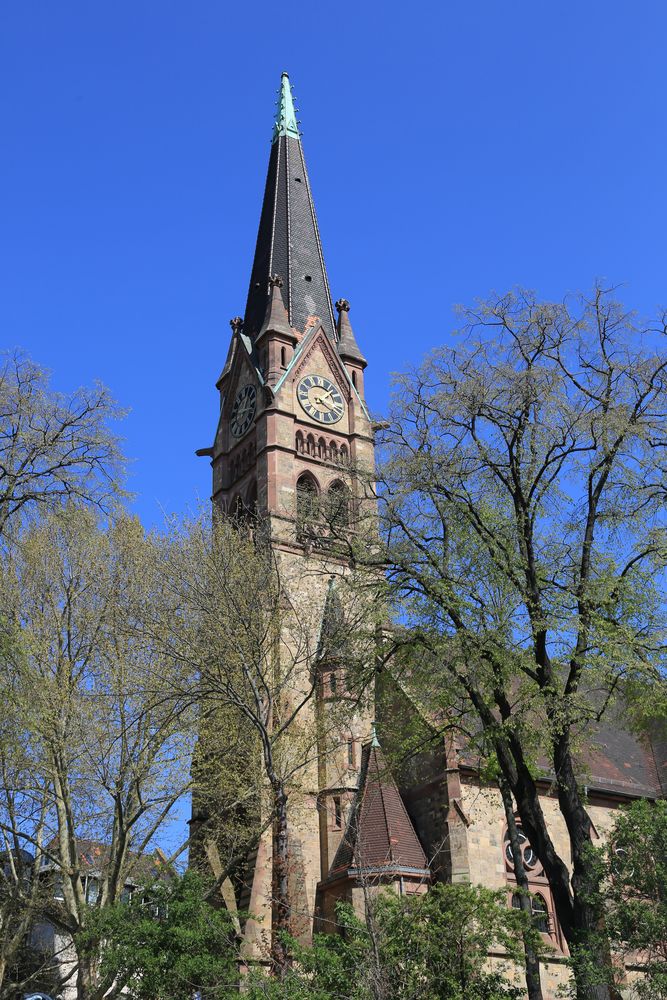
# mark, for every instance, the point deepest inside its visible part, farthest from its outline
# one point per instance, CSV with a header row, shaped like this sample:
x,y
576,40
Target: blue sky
x,y
453,148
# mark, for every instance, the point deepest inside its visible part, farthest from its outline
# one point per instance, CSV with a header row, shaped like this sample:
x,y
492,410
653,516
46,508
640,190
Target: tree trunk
x,y
576,899
593,970
86,977
533,983
280,916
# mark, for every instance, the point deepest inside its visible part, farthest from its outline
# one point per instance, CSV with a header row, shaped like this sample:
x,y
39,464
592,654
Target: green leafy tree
x,y
246,638
636,894
522,494
94,749
167,942
421,947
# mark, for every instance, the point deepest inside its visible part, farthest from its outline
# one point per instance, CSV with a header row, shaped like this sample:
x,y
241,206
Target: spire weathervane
x,y
286,123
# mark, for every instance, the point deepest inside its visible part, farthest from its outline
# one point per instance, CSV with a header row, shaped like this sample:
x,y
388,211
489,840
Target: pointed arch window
x,y
539,910
300,444
251,500
307,500
338,505
542,907
237,509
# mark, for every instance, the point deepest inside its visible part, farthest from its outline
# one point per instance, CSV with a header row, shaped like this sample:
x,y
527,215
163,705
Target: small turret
x,y
276,339
348,347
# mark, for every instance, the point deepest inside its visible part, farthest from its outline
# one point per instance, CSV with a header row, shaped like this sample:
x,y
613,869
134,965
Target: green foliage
x,y
420,947
167,942
637,892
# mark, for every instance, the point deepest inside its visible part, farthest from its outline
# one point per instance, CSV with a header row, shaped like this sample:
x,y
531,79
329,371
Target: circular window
x,y
528,854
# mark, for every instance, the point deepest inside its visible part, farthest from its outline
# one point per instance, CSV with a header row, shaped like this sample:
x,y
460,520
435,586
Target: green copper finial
x,y
374,736
286,123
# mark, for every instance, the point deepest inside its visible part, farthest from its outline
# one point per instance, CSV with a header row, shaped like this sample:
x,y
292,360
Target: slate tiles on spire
x,y
380,839
288,241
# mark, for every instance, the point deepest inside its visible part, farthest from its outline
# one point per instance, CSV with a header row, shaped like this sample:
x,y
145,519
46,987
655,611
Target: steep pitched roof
x,y
379,839
288,241
611,758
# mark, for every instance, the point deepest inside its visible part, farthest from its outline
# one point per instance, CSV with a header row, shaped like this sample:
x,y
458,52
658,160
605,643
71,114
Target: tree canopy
x,y
522,494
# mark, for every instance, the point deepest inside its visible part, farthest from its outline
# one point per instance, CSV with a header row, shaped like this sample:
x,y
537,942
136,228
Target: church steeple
x,y
288,241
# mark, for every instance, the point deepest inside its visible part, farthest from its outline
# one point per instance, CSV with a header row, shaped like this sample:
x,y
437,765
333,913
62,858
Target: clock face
x,y
320,398
243,410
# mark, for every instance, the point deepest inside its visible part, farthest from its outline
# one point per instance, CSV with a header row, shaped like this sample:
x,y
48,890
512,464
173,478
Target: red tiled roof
x,y
379,837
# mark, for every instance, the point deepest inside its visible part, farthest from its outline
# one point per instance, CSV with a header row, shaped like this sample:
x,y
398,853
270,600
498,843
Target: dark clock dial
x,y
320,398
243,410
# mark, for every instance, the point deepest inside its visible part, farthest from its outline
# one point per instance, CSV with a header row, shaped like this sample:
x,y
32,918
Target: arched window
x,y
339,505
299,442
354,379
310,445
307,500
251,500
333,451
237,509
539,909
283,357
321,448
344,455
541,900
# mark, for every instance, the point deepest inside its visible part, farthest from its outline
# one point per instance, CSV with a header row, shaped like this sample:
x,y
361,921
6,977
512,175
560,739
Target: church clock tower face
x,y
243,410
320,399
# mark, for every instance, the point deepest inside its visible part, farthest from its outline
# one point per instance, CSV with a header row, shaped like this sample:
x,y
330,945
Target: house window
x,y
92,890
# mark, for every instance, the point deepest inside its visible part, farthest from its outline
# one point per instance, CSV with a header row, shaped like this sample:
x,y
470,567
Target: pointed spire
x,y
348,347
286,123
276,319
288,241
380,838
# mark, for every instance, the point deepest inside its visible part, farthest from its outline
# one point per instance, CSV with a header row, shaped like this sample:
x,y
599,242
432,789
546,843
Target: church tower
x,y
293,426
